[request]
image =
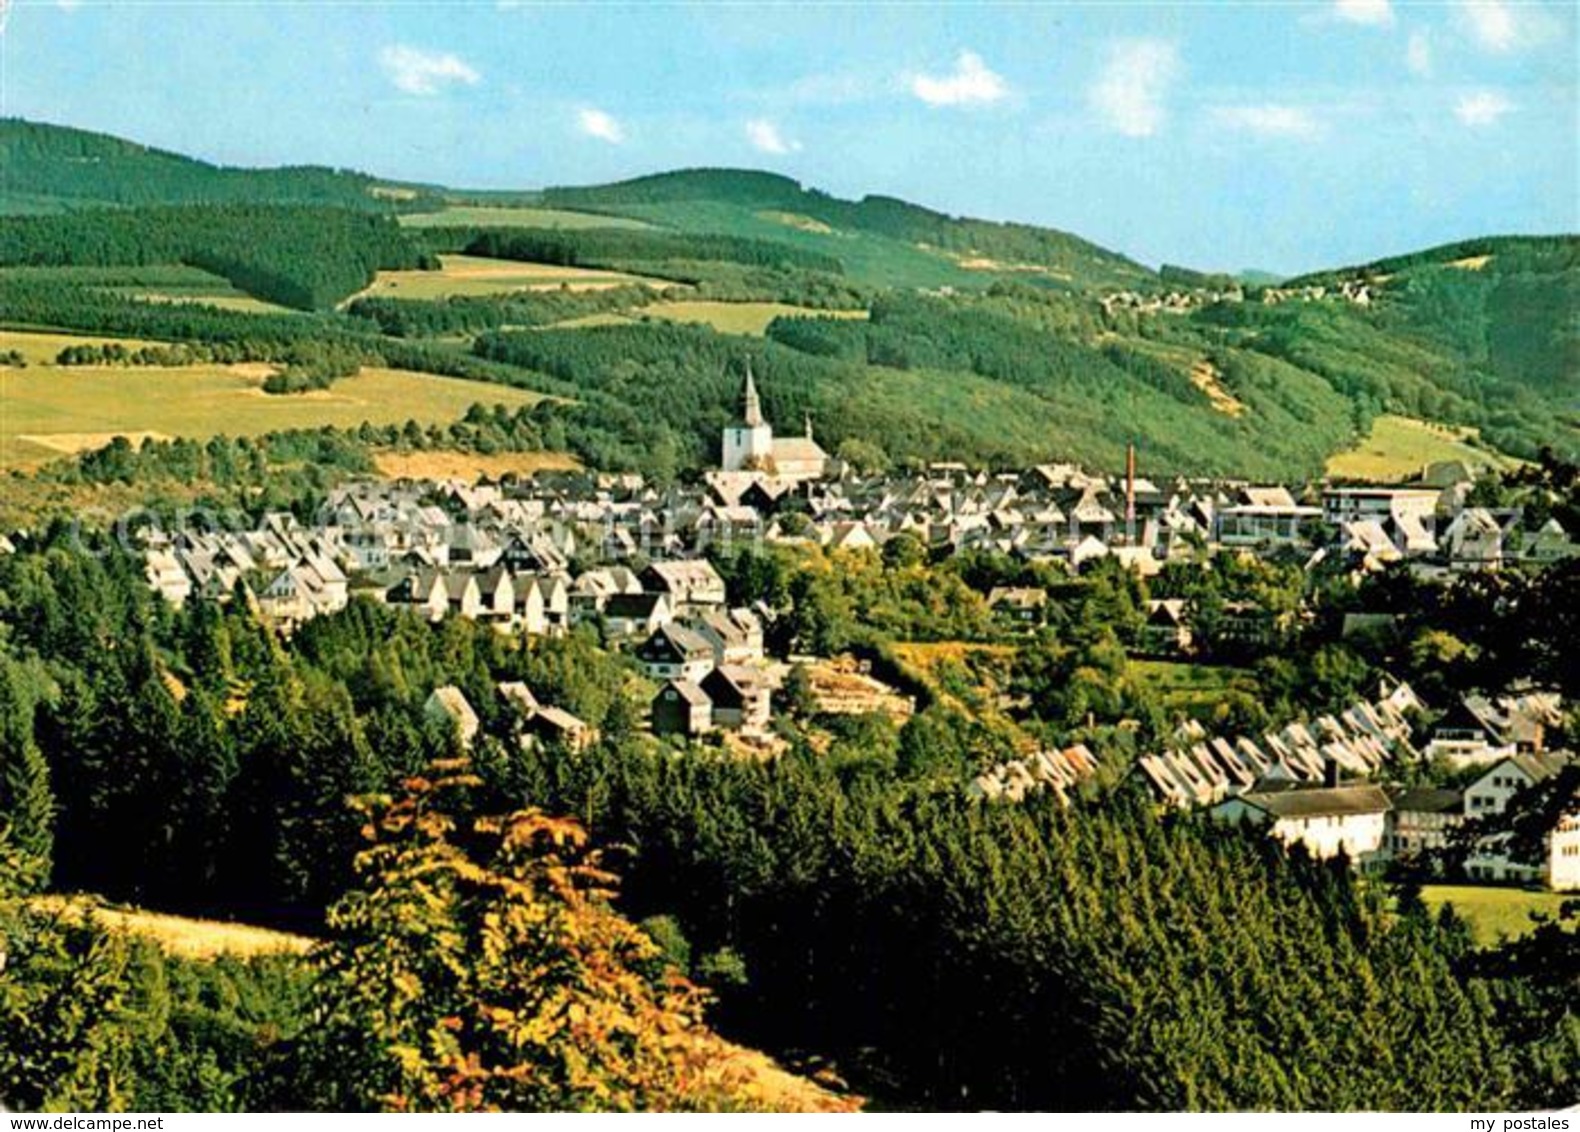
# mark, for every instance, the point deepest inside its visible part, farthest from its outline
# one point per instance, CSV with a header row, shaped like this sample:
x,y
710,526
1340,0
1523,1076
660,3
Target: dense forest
x,y
307,258
848,898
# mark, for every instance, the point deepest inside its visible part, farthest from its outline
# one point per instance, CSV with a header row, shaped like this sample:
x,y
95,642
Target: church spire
x,y
752,409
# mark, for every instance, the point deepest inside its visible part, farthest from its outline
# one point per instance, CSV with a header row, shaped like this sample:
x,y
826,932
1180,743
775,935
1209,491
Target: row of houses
x,y
1201,769
436,540
1058,772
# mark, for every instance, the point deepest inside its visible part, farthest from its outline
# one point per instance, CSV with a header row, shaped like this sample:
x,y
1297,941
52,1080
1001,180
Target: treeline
x,y
468,314
307,258
620,248
1555,253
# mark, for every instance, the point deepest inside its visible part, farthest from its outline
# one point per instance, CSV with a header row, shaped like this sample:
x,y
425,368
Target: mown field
x,y
47,411
496,216
1399,447
470,466
475,275
738,318
1494,912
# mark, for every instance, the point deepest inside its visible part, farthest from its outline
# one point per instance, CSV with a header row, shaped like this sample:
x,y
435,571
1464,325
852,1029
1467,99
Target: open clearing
x,y
178,935
1400,447
1184,686
237,301
494,216
1494,912
41,348
739,318
476,275
46,410
471,466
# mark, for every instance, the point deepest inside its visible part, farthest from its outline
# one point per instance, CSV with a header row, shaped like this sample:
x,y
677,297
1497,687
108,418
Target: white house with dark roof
x,y
1327,820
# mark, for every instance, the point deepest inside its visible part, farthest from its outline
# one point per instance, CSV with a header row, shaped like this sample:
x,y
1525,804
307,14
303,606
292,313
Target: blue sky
x,y
1286,136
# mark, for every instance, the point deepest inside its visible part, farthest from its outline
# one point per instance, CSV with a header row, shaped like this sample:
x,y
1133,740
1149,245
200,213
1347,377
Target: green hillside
x,y
882,239
49,168
975,341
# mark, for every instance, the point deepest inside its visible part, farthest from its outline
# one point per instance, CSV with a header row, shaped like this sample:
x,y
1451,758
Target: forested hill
x,y
767,203
48,168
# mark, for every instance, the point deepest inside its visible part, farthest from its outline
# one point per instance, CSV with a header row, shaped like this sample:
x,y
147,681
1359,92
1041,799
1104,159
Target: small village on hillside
x,y
543,555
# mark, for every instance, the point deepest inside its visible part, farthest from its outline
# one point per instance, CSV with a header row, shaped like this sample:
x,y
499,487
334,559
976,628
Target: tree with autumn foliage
x,y
477,966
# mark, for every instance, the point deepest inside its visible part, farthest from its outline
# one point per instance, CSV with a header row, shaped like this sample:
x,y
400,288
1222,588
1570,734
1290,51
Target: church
x,y
749,444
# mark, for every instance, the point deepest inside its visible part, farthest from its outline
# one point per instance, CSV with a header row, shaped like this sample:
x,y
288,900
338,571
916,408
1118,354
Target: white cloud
x,y
1271,120
1418,53
970,82
1492,23
1371,13
599,124
1129,94
1483,108
765,136
425,72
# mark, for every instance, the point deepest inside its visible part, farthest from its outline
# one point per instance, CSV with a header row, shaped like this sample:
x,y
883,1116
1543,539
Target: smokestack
x,y
1130,492
1332,773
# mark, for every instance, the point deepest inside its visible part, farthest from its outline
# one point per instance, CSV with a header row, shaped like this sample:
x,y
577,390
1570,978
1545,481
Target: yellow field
x,y
470,466
47,410
237,302
739,318
1493,912
1400,447
475,275
179,935
489,216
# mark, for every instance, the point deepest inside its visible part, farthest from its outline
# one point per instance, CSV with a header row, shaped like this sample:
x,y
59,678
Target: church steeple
x,y
752,409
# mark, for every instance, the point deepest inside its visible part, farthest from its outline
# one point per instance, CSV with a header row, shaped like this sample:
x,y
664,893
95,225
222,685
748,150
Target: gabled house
x,y
689,583
447,706
736,635
636,615
740,697
1327,820
674,652
1166,631
681,708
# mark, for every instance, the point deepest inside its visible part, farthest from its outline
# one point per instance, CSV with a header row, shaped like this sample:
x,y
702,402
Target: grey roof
x,y
1324,801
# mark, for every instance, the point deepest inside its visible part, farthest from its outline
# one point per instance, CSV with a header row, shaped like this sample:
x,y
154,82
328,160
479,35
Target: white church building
x,y
750,446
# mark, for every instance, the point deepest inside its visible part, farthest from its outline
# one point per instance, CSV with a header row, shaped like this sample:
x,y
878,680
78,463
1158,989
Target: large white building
x,y
750,446
1326,820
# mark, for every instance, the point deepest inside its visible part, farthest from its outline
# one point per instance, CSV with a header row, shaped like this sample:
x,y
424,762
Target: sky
x,y
1221,136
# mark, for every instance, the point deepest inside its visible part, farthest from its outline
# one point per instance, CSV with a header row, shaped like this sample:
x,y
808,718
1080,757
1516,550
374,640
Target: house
x,y
674,652
448,707
740,697
636,615
1563,855
1263,516
1474,540
496,591
681,708
688,583
166,574
1327,820
1467,735
736,635
1492,795
1019,605
559,727
1166,631
1421,821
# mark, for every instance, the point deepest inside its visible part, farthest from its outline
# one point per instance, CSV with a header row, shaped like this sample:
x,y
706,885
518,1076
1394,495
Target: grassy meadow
x,y
1399,447
499,216
1494,912
470,466
738,318
47,411
476,275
